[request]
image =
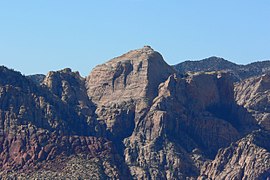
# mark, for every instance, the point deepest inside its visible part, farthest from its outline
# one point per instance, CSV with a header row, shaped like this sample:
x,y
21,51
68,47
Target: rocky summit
x,y
136,117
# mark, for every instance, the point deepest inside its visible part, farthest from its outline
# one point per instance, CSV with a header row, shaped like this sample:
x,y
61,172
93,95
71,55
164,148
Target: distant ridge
x,y
219,64
37,78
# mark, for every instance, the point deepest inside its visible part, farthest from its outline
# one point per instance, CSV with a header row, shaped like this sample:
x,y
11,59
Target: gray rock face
x,y
181,124
254,95
134,75
248,158
70,88
124,88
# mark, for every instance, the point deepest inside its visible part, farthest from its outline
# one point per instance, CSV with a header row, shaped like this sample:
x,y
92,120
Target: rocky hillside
x,y
134,117
239,72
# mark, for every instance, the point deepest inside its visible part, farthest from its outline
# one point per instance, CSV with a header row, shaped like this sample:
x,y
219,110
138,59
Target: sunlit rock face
x,y
124,88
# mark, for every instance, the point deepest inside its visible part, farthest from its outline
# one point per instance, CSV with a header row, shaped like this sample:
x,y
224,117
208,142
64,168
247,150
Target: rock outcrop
x,y
254,94
185,126
38,125
135,75
124,88
70,88
248,158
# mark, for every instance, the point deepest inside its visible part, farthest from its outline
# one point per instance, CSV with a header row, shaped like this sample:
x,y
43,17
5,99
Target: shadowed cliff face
x,y
133,118
254,94
248,158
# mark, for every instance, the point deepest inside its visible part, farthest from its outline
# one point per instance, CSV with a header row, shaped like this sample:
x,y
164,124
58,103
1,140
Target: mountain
x,y
209,64
135,117
239,72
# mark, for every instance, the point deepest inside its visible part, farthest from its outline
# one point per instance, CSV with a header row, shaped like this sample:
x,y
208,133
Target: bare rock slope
x,y
254,94
124,88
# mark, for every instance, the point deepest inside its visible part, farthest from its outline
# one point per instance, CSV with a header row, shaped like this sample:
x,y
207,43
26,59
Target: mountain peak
x,y
147,47
134,74
142,54
215,58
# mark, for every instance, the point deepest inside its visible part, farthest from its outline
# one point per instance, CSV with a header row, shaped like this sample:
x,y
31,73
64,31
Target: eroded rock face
x,y
134,75
254,94
70,88
248,158
124,87
30,148
39,124
181,124
119,118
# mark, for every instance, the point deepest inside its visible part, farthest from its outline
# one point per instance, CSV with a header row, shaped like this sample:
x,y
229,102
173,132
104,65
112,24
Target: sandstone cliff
x,y
124,88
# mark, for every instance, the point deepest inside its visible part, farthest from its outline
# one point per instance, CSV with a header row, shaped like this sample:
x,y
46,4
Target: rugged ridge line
x,y
238,71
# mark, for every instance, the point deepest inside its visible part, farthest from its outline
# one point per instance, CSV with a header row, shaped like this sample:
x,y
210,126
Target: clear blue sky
x,y
41,35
